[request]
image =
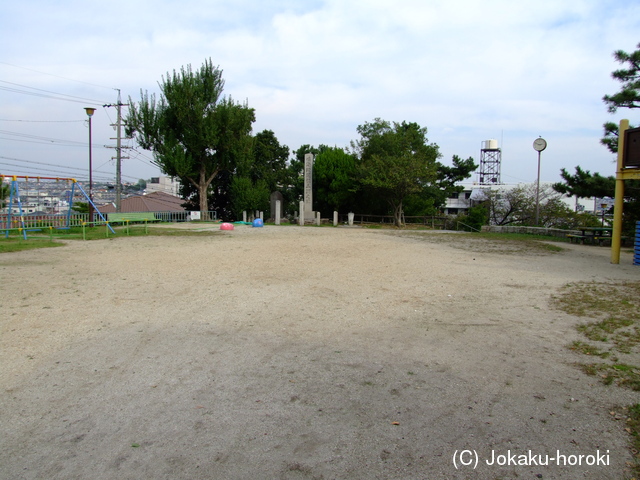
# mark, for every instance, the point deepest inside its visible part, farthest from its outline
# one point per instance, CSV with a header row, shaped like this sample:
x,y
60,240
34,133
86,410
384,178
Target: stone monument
x,y
308,188
275,196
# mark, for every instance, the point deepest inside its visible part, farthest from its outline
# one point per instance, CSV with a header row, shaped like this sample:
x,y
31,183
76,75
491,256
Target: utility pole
x,y
118,147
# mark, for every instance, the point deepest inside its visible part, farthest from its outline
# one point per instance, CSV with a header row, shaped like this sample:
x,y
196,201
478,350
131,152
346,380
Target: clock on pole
x,y
539,144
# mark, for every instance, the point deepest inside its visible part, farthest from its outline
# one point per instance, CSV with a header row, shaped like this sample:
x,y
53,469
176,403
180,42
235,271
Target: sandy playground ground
x,y
300,353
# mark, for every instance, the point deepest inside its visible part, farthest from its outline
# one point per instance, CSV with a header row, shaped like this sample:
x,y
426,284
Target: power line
x,y
42,121
45,140
47,94
59,167
57,76
50,142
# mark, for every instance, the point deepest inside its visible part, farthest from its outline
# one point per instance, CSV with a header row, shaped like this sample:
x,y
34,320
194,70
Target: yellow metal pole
x,y
616,235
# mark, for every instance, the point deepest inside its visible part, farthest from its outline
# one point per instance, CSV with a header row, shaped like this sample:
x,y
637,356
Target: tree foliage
x,y
5,190
629,94
627,97
268,162
448,179
80,207
193,131
249,195
584,184
395,161
335,180
257,175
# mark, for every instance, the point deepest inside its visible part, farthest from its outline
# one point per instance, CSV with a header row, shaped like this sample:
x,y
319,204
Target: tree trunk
x,y
203,186
397,214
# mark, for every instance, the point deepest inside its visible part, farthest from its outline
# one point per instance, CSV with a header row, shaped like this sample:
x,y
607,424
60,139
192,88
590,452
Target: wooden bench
x,y
600,239
577,238
131,217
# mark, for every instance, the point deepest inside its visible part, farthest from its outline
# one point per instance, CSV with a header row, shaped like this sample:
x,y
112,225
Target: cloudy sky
x,y
314,70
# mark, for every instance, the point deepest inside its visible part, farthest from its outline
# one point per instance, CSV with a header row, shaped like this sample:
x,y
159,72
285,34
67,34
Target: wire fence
x,y
78,219
434,222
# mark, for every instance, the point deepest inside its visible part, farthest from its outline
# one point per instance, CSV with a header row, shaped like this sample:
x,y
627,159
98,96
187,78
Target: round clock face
x,y
539,144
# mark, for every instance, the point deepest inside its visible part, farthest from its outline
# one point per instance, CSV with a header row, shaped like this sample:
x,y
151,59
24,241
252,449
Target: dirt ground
x,y
301,353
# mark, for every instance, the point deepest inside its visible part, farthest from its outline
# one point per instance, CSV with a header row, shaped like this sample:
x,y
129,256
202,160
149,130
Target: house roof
x,y
153,202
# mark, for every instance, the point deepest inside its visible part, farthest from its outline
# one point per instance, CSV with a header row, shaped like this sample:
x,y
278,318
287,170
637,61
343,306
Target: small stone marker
x,y
301,216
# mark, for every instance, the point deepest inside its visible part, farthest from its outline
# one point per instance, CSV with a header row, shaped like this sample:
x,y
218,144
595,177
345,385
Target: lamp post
x,y
90,111
539,144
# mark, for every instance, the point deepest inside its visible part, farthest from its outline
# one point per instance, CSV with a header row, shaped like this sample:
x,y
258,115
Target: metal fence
x,y
435,222
77,219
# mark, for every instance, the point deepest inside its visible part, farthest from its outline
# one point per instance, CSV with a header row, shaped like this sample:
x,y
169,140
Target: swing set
x,y
14,218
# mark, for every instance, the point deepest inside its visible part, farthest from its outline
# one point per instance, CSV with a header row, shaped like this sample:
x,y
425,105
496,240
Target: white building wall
x,y
164,184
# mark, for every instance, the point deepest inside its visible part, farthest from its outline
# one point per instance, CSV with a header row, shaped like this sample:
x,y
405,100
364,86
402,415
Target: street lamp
x,y
90,111
539,144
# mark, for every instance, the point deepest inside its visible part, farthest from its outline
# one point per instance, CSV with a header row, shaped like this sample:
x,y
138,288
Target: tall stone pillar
x,y
308,187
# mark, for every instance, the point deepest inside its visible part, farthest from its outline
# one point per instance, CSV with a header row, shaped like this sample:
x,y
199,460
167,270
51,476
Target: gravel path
x,y
298,353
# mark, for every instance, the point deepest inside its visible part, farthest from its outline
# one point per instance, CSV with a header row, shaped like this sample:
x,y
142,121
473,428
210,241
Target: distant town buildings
x,y
54,196
459,203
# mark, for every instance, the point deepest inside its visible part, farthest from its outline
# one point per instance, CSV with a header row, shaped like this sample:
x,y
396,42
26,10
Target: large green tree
x,y
193,131
627,97
585,184
334,180
260,174
395,161
433,196
269,160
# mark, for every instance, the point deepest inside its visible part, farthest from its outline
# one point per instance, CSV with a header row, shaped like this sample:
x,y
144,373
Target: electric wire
x,y
45,140
41,121
57,76
38,92
61,170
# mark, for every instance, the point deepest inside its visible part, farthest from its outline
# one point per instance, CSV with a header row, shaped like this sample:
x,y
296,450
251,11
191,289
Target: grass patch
x,y
588,349
633,428
621,374
40,240
488,242
593,299
19,244
615,308
614,328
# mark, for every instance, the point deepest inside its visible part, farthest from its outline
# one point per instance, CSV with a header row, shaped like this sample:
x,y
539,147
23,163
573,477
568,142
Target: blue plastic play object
x,y
258,223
